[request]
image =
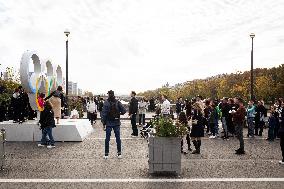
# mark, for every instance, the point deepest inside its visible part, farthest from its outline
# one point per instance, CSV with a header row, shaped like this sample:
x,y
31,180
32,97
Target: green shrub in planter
x,y
166,127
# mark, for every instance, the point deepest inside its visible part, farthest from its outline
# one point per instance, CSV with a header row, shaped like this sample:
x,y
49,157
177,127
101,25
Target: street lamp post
x,y
66,32
252,35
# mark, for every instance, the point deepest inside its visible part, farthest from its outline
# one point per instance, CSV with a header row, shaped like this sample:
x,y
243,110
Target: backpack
x,y
114,113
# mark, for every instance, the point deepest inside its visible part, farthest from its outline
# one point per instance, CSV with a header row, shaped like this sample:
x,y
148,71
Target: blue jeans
x,y
216,127
142,119
116,130
47,131
225,127
240,137
250,126
271,134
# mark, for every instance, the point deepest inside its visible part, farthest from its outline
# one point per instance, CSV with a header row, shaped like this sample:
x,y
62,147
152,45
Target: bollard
x,y
2,148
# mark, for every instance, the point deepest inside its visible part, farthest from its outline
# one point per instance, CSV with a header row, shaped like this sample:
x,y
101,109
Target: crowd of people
x,y
203,117
19,109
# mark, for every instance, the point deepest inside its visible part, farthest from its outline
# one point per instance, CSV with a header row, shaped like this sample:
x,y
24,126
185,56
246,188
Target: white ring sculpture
x,y
38,76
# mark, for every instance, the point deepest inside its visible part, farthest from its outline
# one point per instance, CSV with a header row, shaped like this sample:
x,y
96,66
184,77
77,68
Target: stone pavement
x,y
84,160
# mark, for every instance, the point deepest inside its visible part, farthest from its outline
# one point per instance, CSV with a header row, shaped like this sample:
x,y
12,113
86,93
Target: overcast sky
x,y
129,45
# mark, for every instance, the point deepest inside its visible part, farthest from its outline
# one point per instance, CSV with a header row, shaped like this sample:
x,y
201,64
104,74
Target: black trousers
x,y
18,114
282,146
259,127
133,124
92,117
187,141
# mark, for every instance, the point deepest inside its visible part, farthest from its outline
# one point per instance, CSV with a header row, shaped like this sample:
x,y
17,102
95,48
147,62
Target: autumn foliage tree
x,y
268,85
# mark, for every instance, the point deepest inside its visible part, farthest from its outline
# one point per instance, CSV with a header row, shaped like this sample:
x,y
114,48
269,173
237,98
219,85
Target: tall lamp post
x,y
67,32
252,35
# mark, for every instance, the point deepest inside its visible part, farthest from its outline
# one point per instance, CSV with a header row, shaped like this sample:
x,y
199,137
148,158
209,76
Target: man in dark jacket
x,y
112,109
238,119
225,108
179,106
133,109
281,133
260,115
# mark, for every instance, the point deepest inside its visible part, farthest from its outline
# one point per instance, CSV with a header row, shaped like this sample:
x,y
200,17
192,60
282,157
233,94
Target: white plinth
x,y
67,130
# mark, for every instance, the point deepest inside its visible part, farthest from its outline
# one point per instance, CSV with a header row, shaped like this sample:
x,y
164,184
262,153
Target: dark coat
x,y
47,118
178,107
281,129
225,108
198,124
105,112
133,106
239,115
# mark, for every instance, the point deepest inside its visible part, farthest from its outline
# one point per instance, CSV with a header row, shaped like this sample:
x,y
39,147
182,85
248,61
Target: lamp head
x,y
252,35
66,32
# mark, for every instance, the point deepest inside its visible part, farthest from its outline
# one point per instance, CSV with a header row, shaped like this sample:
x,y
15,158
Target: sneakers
x,y
41,145
134,136
212,136
119,156
50,146
281,162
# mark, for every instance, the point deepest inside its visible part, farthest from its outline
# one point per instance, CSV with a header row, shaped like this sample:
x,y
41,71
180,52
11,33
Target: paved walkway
x,y
84,160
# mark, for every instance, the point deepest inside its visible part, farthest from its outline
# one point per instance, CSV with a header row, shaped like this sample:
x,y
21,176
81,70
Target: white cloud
x,y
141,44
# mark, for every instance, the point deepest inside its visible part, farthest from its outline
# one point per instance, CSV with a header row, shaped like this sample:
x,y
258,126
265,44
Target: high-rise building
x,y
75,89
72,88
80,92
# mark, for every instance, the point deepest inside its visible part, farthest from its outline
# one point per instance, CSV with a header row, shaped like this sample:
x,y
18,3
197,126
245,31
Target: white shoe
x,y
40,145
281,162
105,157
212,137
50,146
119,156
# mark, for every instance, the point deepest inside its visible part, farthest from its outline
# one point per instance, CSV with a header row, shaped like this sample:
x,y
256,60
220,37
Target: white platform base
x,y
67,130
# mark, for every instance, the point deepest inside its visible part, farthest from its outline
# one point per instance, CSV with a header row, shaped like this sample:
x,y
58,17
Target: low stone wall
x,y
67,130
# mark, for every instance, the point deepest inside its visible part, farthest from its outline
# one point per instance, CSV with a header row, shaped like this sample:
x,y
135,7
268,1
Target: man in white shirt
x,y
92,110
166,106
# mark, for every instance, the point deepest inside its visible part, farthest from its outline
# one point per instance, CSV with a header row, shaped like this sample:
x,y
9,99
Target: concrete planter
x,y
164,154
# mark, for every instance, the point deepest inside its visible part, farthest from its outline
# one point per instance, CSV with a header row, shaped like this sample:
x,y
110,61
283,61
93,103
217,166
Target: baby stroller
x,y
145,131
148,128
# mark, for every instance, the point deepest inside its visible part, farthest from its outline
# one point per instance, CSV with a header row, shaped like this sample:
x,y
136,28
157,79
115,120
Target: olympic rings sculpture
x,y
38,76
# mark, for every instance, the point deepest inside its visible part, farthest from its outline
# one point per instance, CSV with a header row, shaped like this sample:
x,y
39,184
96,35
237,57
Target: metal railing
x,y
2,148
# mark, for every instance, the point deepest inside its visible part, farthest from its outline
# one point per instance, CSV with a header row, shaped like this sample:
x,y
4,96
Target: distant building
x,y
75,89
80,92
4,75
72,88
